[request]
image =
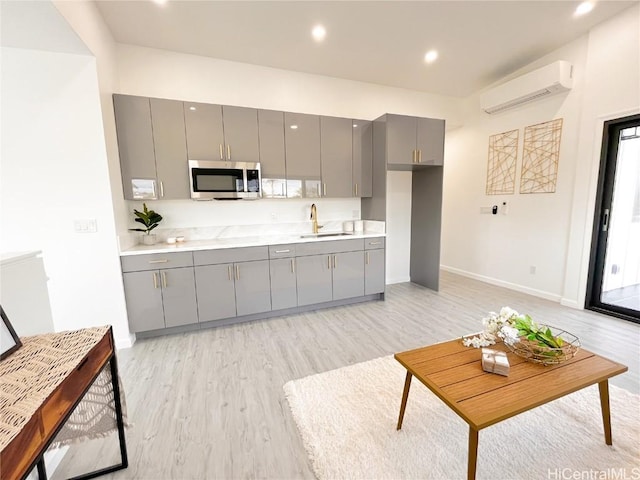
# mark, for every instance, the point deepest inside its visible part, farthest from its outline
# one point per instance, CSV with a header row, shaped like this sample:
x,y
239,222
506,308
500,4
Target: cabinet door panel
x,y
135,140
401,139
179,296
253,294
144,300
362,158
314,279
272,159
374,280
170,143
348,275
302,147
215,289
335,156
283,283
240,134
203,126
430,137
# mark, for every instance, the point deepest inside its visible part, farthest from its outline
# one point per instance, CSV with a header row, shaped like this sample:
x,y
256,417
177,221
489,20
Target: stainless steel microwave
x,y
224,180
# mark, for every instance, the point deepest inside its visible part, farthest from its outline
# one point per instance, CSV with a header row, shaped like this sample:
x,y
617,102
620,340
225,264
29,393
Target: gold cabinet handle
x,y
161,189
164,279
283,251
324,189
335,261
229,271
293,266
419,156
366,258
356,189
237,272
375,243
228,152
155,280
318,188
221,153
414,156
329,262
164,260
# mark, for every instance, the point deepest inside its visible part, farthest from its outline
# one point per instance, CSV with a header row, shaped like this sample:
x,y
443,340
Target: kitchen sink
x,y
326,234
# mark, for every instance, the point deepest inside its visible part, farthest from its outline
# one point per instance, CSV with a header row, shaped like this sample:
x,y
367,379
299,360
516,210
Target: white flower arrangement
x,y
496,325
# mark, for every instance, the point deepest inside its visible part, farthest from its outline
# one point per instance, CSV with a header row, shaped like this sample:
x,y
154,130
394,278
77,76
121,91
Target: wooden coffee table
x,y
454,373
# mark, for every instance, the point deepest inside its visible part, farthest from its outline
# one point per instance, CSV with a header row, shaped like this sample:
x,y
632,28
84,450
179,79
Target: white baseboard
x,y
501,283
391,281
125,342
568,302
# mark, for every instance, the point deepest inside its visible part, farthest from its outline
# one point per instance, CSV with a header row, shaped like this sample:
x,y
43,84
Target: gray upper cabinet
x,y
302,147
336,156
135,143
240,134
362,158
430,141
414,141
204,131
272,156
170,145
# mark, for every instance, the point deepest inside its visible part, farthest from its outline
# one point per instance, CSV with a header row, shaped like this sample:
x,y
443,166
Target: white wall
x,y
54,171
547,231
612,91
157,73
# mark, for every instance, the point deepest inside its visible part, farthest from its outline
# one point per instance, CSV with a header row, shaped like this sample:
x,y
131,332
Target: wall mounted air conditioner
x,y
555,78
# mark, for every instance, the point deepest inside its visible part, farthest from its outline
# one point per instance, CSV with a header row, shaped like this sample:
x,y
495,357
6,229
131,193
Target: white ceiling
x,y
381,42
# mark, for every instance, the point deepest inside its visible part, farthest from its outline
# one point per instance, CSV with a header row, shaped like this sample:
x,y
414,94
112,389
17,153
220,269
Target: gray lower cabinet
x,y
215,287
348,275
283,283
314,279
228,287
159,299
374,271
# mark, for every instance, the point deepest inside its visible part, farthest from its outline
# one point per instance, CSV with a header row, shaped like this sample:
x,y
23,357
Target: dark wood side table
x,y
24,448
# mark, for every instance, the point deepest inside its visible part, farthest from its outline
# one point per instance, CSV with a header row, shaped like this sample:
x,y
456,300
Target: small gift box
x,y
495,361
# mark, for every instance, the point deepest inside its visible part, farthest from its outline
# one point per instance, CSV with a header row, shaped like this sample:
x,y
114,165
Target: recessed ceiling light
x,y
583,8
318,33
431,56
293,127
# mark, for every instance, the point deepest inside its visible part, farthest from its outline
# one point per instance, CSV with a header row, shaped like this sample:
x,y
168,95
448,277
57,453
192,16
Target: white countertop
x,y
255,241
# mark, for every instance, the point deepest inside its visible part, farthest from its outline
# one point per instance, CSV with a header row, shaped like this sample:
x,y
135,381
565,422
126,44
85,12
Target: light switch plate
x,y
87,225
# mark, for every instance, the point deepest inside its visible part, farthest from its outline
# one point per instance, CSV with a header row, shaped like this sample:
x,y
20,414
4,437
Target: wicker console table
x,y
40,386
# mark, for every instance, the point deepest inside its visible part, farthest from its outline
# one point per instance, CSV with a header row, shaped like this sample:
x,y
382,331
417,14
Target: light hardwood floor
x,y
210,404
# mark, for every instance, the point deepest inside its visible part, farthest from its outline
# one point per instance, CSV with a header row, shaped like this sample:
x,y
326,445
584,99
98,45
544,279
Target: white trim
x,y
501,283
571,303
125,342
391,281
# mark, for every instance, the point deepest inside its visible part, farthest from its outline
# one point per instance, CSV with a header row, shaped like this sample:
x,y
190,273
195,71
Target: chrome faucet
x,y
314,218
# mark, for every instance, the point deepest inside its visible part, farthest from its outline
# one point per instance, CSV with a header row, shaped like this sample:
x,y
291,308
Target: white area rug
x,y
347,420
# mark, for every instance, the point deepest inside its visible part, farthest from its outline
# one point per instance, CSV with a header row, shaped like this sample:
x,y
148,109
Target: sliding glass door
x,y
614,271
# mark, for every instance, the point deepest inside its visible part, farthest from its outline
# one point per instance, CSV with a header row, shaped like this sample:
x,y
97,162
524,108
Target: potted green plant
x,y
150,220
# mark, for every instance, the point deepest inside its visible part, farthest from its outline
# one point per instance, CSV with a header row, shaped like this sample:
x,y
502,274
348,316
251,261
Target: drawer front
x,y
373,243
282,251
155,261
230,255
334,246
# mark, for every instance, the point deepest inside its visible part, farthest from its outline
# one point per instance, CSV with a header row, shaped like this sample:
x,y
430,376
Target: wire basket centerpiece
x,y
541,344
545,344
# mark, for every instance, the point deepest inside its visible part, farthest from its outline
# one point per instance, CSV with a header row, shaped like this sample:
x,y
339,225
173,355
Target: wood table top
x,y
454,373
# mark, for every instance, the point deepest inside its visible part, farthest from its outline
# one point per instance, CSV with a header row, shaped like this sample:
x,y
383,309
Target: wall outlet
x,y
89,225
532,269
504,209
